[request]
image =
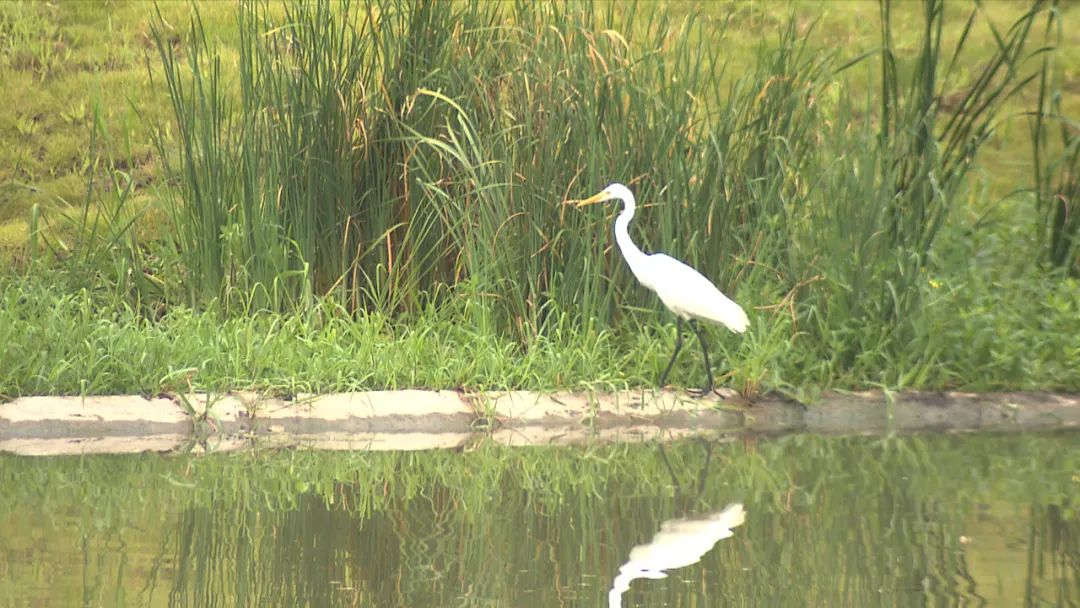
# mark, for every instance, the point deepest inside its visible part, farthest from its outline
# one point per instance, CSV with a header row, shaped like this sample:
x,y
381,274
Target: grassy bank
x,y
328,197
979,336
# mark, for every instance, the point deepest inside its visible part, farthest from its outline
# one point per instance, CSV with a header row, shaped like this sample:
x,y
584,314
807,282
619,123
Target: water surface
x,y
941,520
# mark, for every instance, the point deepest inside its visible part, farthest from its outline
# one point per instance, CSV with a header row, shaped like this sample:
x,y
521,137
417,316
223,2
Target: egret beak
x,y
596,198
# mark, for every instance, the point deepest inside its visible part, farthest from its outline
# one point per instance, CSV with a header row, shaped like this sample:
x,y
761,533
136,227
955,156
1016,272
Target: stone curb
x,y
418,419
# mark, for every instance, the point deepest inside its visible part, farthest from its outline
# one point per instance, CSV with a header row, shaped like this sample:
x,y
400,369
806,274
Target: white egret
x,y
682,289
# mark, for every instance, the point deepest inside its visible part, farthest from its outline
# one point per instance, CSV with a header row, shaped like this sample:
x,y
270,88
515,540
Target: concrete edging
x,y
420,419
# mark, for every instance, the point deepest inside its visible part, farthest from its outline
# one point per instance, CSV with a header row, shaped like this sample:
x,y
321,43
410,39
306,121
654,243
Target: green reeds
x,y
96,237
1056,167
450,164
884,193
264,168
403,156
933,148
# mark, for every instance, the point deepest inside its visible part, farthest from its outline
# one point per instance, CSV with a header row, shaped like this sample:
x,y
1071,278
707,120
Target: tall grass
x,y
399,156
1056,170
265,172
451,166
886,185
96,237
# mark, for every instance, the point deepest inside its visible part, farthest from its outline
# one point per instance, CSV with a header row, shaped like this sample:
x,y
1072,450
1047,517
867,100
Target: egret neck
x,y
634,256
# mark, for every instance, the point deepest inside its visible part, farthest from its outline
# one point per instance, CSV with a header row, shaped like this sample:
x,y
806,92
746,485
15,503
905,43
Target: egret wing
x,y
690,295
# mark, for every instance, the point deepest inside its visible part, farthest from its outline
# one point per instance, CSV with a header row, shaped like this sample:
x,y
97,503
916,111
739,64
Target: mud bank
x,y
417,419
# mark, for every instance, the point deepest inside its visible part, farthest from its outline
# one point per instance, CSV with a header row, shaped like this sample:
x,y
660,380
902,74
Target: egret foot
x,y
698,393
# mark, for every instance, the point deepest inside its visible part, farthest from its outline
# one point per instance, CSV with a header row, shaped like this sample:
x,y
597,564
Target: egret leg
x,y
678,345
705,353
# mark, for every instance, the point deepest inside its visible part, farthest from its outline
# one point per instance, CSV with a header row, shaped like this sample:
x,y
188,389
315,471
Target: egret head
x,y
614,191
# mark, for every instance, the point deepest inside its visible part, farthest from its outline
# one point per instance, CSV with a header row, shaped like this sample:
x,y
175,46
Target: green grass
x,y
974,333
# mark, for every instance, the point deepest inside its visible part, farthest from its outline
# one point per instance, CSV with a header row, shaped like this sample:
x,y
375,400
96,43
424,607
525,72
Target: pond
x,y
797,520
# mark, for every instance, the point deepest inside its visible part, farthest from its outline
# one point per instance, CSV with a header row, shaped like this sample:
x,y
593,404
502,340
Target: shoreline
x,y
422,419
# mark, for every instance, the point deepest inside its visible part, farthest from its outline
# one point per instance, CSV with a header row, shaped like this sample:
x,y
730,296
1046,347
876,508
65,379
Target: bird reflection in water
x,y
679,543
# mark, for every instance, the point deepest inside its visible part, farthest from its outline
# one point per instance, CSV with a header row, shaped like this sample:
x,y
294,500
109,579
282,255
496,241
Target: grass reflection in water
x,y
847,521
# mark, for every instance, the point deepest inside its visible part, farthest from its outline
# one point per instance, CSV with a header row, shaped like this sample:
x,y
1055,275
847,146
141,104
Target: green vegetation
x,y
327,197
63,341
895,521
